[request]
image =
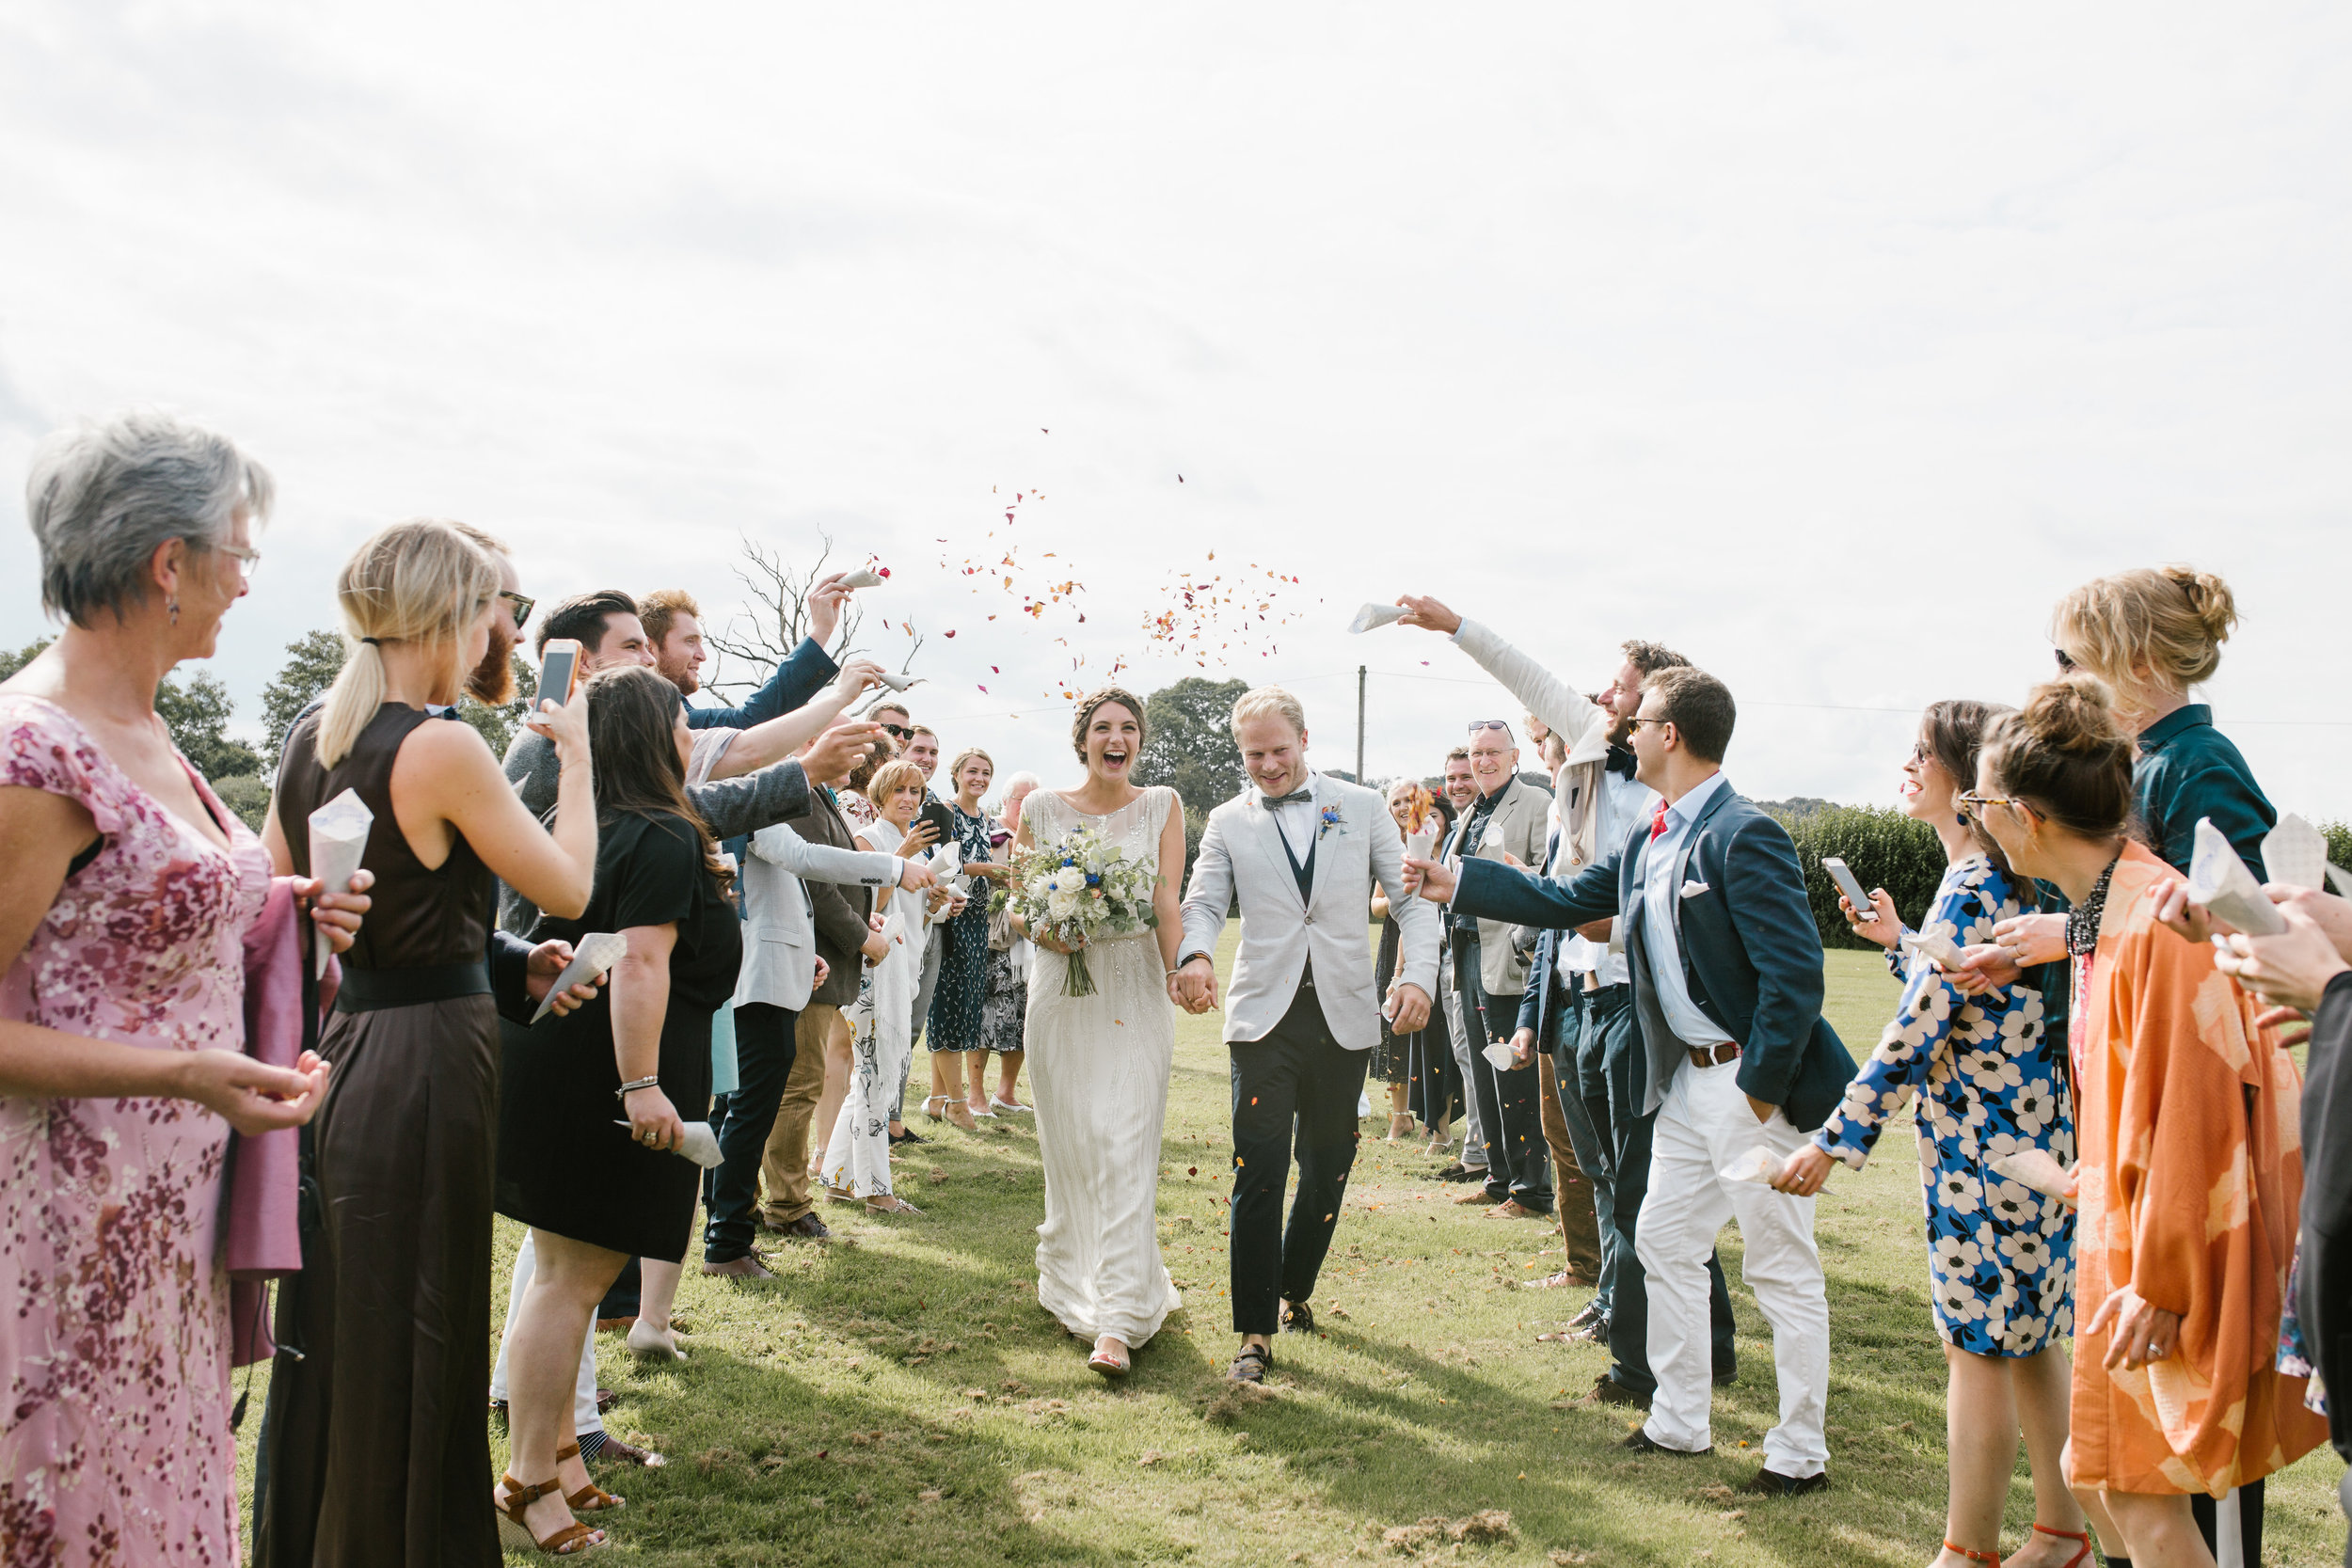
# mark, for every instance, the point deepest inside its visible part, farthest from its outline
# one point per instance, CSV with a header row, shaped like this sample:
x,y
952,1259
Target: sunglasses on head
x,y
1478,724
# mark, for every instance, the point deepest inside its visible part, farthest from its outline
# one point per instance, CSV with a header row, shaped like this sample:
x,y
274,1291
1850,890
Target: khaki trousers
x,y
1572,1193
784,1168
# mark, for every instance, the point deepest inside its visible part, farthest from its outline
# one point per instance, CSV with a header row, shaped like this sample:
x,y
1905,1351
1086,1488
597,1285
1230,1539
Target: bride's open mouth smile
x,y
1114,756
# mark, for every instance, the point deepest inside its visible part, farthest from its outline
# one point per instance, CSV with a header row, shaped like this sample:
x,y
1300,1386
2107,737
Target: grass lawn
x,y
896,1397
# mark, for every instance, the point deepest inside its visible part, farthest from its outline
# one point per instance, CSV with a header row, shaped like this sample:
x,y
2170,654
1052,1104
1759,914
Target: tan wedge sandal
x,y
590,1499
570,1541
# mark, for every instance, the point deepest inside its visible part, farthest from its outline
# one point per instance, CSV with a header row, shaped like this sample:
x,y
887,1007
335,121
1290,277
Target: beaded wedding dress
x,y
1098,1071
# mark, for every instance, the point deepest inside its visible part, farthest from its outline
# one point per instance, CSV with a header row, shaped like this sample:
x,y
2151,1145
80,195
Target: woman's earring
x,y
173,605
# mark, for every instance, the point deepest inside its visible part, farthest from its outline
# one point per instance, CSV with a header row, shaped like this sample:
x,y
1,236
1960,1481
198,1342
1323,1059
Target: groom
x,y
1302,852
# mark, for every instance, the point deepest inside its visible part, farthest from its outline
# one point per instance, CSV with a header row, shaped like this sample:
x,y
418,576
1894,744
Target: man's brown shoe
x,y
1512,1209
1565,1279
746,1267
1476,1195
1607,1391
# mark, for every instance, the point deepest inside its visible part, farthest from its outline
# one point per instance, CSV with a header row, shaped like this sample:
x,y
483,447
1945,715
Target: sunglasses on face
x,y
1637,723
522,606
898,732
2065,659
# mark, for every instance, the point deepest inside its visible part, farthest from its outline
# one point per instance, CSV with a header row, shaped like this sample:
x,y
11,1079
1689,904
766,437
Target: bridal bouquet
x,y
1078,889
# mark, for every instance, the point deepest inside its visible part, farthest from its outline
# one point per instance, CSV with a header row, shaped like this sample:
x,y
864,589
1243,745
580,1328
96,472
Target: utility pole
x,y
1359,723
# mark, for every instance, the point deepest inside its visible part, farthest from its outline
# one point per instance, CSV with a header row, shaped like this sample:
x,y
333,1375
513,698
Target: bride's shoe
x,y
890,1204
1112,1357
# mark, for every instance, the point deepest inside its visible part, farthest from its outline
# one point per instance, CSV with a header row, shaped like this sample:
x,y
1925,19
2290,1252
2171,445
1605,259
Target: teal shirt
x,y
2189,769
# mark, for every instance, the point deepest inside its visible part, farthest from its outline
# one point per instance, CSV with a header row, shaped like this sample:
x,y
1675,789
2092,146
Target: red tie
x,y
1657,820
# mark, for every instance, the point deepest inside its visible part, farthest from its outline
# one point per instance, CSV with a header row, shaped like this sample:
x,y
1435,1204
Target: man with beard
x,y
1578,1002
673,633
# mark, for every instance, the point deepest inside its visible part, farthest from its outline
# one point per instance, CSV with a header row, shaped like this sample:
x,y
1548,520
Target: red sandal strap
x,y
2081,1537
1993,1557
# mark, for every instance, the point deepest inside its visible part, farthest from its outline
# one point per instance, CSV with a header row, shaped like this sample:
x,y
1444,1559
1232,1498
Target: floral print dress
x,y
114,1436
1990,1082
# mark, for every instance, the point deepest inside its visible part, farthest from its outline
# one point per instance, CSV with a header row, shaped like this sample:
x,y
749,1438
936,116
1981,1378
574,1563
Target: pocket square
x,y
1692,890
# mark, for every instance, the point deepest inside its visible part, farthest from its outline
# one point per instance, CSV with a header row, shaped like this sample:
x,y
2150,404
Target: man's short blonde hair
x,y
1268,700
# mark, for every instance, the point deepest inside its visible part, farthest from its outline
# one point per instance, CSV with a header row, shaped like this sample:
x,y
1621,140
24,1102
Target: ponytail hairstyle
x,y
419,583
2147,632
1955,732
633,738
2065,755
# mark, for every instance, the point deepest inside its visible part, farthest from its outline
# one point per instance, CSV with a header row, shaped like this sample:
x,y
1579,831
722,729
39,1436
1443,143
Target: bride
x,y
1099,1064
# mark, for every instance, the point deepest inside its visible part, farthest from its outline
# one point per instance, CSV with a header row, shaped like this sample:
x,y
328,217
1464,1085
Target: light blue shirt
x,y
1623,802
1660,892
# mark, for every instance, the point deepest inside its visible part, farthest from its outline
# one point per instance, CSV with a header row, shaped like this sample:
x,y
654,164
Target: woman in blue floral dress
x,y
2001,1257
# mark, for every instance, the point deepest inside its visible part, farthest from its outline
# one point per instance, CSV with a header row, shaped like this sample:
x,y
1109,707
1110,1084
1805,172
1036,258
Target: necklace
x,y
2082,922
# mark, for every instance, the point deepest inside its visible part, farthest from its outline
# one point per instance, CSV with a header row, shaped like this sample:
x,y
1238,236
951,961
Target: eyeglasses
x,y
898,732
1637,723
1976,802
249,560
1478,724
523,605
2065,659
1919,752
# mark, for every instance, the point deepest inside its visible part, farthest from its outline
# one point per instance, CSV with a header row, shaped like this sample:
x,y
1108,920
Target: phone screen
x,y
557,667
1854,892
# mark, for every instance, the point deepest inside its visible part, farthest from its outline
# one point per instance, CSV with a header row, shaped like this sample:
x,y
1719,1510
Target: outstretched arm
x,y
1545,695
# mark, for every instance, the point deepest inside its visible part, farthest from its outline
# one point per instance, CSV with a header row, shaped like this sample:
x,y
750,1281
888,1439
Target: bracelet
x,y
635,1083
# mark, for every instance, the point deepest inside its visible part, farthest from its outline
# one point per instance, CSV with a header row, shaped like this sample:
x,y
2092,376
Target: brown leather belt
x,y
1712,1055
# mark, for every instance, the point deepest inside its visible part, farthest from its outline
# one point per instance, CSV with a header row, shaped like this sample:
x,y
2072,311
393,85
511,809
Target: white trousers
x,y
1473,1131
1704,1125
584,1416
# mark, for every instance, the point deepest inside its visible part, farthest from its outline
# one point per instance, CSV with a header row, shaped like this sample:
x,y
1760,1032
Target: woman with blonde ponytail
x,y
374,1448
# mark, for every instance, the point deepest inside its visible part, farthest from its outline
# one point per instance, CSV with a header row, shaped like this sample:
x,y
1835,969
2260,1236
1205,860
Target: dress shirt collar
x,y
1686,811
2160,734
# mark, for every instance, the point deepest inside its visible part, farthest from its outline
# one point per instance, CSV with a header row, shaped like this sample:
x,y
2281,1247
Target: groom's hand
x,y
1196,986
1428,613
1412,1010
1429,879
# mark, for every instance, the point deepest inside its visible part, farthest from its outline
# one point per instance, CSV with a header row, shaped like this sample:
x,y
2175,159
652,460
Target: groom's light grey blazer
x,y
1241,851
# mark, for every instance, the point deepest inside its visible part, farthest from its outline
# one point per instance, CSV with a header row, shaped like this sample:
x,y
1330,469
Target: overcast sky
x,y
1828,344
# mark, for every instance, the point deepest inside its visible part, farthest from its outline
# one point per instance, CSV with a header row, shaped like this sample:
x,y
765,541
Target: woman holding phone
x,y
962,993
592,1107
1989,1082
376,1434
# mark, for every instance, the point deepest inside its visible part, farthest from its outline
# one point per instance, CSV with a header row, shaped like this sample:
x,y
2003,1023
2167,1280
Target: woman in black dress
x,y
375,1448
592,1107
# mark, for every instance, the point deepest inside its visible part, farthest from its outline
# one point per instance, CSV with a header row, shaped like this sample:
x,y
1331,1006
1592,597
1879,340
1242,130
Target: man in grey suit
x,y
1302,852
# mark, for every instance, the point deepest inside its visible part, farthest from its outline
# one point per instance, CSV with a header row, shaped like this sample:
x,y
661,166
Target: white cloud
x,y
1828,343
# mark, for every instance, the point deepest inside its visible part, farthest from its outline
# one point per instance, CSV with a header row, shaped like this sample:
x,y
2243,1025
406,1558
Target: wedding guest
x,y
1729,990
1506,817
1415,810
1002,1016
1436,1094
594,1194
1989,1083
839,1044
673,633
374,1445
2182,1095
1461,1032
960,994
845,941
129,890
857,1155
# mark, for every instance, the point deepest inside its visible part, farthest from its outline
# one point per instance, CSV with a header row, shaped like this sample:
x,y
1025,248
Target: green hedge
x,y
1885,848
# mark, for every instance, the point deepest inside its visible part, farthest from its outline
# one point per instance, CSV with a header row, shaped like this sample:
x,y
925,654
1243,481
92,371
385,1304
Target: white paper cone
x,y
1758,1165
701,1144
1376,615
864,576
1419,846
1498,1056
897,682
946,860
2035,1168
1942,949
2218,881
338,841
592,956
2294,853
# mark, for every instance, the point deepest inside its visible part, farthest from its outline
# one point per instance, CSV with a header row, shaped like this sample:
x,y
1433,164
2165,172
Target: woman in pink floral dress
x,y
121,1025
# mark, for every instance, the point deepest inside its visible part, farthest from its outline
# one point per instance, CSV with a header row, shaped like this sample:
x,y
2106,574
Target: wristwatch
x,y
1197,953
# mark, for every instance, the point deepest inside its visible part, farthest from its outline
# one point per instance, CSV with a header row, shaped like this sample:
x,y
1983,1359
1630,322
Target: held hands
x,y
653,1122
251,1096
338,915
1428,614
1806,1171
1429,879
1883,925
1193,987
546,963
2142,1333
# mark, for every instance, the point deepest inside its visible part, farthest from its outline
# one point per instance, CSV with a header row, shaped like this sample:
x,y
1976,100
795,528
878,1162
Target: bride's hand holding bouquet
x,y
1076,890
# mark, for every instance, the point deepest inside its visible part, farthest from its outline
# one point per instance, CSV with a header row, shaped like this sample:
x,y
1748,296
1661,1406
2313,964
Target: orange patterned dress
x,y
2192,1168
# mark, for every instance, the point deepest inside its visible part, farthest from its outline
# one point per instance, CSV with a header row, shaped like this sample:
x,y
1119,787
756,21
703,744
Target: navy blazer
x,y
1751,953
796,680
1535,1001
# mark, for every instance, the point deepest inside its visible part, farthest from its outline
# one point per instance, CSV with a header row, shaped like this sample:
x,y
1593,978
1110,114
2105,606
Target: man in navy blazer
x,y
1726,967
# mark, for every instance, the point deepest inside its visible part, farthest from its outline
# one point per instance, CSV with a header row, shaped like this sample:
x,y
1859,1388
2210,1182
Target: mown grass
x,y
897,1396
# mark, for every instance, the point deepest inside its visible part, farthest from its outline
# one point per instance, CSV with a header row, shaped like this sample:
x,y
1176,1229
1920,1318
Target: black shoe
x,y
808,1227
1641,1443
1468,1173
906,1135
1453,1172
1772,1483
1594,1331
1607,1391
1727,1376
1590,1315
1250,1364
1298,1318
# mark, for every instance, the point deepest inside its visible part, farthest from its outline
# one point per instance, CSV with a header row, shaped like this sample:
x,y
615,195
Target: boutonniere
x,y
1330,820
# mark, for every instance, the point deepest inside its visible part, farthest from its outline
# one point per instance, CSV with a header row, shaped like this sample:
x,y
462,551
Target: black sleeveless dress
x,y
375,1450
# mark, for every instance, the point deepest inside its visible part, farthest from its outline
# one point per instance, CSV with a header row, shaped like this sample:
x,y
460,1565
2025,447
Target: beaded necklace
x,y
2082,922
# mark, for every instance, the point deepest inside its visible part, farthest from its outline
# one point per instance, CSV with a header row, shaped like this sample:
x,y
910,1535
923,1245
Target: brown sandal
x,y
571,1540
590,1499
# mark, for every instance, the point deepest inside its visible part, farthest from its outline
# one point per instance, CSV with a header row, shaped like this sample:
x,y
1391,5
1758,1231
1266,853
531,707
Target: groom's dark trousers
x,y
1294,1089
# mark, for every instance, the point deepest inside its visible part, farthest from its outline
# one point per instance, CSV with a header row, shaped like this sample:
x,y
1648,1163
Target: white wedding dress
x,y
1098,1071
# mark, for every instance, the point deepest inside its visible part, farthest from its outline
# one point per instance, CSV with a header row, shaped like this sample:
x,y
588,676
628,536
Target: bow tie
x,y
1270,801
1620,761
